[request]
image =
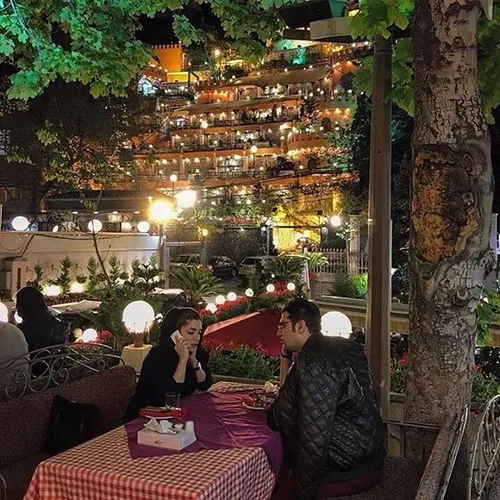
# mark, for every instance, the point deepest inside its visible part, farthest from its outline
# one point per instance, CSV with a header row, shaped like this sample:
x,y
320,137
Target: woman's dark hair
x,y
174,319
306,310
30,302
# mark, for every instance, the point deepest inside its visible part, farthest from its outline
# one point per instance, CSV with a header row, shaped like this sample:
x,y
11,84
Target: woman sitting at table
x,y
180,368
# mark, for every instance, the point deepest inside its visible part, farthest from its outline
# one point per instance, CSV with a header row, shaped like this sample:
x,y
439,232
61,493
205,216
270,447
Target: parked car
x,y
187,259
251,265
223,266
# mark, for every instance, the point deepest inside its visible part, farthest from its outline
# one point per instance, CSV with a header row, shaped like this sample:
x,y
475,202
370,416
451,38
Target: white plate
x,y
256,408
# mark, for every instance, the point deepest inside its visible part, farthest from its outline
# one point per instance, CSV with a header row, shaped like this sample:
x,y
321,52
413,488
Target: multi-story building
x,y
271,128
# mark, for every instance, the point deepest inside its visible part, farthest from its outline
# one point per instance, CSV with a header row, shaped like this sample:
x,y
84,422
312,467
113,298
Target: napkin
x,y
160,412
163,426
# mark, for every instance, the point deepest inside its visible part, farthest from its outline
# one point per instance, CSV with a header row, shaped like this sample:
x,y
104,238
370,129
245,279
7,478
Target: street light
x,y
253,151
204,126
173,180
335,221
161,211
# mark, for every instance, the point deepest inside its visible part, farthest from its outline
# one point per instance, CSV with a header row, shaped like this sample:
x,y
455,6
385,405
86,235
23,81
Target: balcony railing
x,y
226,146
234,123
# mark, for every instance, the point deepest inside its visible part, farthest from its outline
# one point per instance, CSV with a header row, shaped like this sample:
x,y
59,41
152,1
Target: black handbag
x,y
72,424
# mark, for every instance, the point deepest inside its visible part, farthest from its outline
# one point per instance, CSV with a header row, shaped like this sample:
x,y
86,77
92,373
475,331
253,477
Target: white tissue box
x,y
170,441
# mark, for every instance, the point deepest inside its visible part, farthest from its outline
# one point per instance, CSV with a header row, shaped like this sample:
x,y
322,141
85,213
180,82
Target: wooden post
x,y
379,226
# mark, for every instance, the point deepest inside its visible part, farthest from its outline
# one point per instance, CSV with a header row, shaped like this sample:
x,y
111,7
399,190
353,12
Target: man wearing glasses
x,y
326,411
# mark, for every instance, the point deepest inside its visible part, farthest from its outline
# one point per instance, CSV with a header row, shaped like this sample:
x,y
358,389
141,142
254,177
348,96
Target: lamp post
x,y
173,180
160,212
204,126
253,151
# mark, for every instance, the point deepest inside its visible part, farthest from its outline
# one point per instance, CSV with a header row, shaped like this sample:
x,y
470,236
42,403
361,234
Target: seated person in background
x,y
40,327
180,368
13,354
326,410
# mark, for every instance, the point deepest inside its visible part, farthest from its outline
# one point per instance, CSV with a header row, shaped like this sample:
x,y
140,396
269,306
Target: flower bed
x,y
485,385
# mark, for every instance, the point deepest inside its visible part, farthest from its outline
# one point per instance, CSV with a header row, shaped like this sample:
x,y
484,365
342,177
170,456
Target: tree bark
x,y
451,198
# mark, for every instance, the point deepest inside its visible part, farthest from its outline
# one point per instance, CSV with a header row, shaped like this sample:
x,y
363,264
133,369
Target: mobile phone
x,y
175,336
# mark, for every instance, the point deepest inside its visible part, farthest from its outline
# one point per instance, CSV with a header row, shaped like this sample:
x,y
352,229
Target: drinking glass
x,y
172,401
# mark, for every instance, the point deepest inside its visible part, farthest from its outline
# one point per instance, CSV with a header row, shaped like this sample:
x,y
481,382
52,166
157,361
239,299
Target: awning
x,y
262,103
257,330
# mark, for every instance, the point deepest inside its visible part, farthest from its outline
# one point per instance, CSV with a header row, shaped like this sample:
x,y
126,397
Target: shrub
x,y
242,362
196,282
353,286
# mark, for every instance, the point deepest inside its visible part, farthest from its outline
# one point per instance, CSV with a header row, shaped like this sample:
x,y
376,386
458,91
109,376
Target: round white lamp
x,y
249,293
335,221
219,300
212,308
336,324
291,287
126,227
138,317
186,199
4,313
89,335
143,226
20,223
52,290
76,288
270,288
94,226
231,296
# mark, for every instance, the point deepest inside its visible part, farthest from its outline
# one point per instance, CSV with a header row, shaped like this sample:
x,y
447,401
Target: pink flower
x,y
403,360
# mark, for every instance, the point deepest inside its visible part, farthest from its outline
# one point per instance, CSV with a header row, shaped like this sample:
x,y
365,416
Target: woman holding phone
x,y
177,365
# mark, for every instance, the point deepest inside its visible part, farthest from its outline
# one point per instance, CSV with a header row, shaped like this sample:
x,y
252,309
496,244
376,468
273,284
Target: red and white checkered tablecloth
x,y
102,469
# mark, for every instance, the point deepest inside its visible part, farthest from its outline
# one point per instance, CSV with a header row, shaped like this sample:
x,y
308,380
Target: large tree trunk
x,y
451,197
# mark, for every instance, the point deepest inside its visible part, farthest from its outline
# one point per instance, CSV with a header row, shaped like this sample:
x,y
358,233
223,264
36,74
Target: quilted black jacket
x,y
327,415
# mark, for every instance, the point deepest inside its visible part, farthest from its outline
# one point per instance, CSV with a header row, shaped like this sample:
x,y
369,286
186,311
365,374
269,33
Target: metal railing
x,y
234,123
485,454
53,366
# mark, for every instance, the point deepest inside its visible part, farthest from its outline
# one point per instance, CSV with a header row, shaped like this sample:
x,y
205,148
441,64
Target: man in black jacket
x,y
326,410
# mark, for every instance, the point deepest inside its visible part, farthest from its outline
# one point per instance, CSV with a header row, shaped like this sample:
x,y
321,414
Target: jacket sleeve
x,y
317,399
203,359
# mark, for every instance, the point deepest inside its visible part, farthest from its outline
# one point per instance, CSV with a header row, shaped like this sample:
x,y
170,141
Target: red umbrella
x,y
257,330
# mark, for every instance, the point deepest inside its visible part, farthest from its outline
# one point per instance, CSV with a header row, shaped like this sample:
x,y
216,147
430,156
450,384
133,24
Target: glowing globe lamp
x,y
4,313
336,324
143,226
20,223
89,335
138,317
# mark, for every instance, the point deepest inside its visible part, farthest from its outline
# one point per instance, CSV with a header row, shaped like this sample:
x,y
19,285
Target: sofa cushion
x,y
18,475
25,419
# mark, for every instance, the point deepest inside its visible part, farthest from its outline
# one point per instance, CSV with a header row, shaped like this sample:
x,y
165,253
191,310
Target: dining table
x,y
236,457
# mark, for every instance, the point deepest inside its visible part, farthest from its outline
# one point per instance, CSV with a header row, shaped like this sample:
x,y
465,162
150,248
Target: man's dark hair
x,y
298,309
